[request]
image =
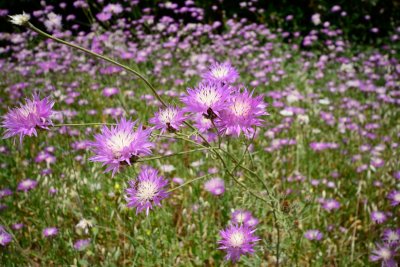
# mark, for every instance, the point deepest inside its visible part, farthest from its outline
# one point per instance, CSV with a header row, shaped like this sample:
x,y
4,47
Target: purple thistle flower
x,y
168,119
241,216
5,192
5,237
26,119
120,144
202,123
81,244
17,226
330,204
208,99
221,72
237,241
251,222
385,254
394,196
215,186
26,185
242,114
147,190
391,236
378,216
50,231
313,235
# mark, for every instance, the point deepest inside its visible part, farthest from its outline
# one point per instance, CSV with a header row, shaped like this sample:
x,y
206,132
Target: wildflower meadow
x,y
198,133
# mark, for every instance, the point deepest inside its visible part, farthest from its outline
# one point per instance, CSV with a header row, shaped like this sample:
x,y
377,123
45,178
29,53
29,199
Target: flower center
x,y
167,115
385,254
208,96
27,109
147,190
119,141
219,72
396,197
240,108
27,183
392,237
237,239
240,217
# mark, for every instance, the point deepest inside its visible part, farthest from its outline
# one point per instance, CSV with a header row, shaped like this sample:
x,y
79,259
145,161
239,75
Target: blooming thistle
x,y
313,235
26,185
25,120
5,192
202,123
215,186
81,244
385,254
20,19
391,236
5,237
240,216
221,72
208,99
120,145
237,241
146,191
50,231
394,196
330,204
242,114
168,119
378,216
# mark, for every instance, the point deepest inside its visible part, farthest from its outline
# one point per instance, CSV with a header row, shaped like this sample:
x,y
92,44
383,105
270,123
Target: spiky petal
x,y
221,72
168,119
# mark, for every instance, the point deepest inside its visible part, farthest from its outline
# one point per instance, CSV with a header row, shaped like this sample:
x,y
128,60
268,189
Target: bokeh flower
x,y
313,235
385,254
221,72
50,231
26,185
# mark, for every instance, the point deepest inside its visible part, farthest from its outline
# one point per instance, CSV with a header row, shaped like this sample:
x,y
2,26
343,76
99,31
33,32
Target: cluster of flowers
x,y
215,104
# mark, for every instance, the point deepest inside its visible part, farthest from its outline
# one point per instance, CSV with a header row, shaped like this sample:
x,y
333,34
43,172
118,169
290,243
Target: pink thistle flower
x,y
330,204
168,119
241,216
120,145
81,244
50,231
242,114
391,236
26,185
237,241
394,196
208,99
385,254
5,237
378,216
313,235
25,120
202,123
215,186
148,190
221,72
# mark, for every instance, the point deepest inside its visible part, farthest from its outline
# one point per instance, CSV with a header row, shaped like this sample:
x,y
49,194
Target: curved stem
x,y
137,74
172,155
83,124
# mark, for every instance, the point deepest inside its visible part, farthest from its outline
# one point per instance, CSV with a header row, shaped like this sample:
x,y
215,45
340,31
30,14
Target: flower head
x,y
168,119
5,237
394,196
313,235
81,244
391,236
215,186
237,241
385,254
241,216
242,114
146,191
26,185
221,72
119,145
378,216
26,119
330,204
208,99
50,231
20,19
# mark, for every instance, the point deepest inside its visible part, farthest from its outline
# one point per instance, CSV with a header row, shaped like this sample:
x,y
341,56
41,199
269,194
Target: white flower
x,y
84,225
20,19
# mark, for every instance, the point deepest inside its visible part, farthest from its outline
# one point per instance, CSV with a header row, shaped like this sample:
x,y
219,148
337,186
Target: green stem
x,y
172,155
189,182
83,124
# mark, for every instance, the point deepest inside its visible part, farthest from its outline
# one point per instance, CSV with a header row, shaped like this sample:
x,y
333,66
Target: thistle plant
x,y
231,113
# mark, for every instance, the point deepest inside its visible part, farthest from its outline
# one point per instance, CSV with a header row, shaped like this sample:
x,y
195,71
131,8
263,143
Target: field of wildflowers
x,y
155,142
